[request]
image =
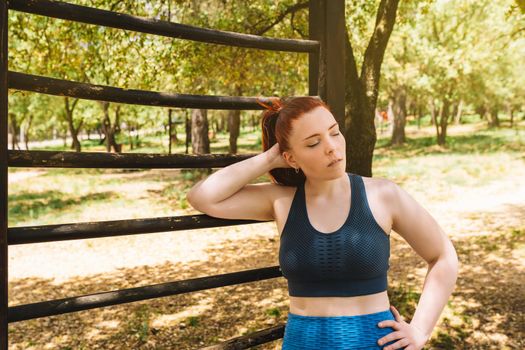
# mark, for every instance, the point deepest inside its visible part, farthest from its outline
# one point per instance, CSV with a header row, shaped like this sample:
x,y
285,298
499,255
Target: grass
x,y
474,157
63,195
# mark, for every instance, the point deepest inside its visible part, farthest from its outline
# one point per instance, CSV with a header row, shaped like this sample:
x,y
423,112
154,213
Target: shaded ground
x,y
484,217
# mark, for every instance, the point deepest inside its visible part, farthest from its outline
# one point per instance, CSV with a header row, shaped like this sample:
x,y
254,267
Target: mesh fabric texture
x,y
353,260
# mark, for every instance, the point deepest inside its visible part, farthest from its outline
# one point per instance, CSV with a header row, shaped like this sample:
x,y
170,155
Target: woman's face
x,y
315,142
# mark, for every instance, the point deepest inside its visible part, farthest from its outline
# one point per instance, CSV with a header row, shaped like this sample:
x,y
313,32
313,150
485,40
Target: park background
x,y
452,89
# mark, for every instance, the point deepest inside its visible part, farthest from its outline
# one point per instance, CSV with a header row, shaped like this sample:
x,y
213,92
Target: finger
x,y
396,313
389,337
389,323
400,344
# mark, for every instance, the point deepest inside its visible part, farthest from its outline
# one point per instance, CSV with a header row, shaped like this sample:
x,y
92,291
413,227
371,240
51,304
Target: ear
x,y
289,158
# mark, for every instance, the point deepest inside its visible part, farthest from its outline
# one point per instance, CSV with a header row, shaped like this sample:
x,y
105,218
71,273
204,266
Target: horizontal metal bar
x,y
60,87
84,230
250,340
89,15
92,301
110,160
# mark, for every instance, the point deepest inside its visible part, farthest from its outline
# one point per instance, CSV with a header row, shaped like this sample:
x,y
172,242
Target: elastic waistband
x,y
370,315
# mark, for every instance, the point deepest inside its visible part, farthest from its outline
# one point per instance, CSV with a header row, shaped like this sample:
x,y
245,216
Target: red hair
x,y
276,125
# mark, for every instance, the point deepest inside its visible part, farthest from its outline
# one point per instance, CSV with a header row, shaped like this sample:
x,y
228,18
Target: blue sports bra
x,y
350,261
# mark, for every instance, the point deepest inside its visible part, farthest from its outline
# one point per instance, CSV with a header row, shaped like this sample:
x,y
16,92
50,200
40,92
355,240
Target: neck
x,y
324,188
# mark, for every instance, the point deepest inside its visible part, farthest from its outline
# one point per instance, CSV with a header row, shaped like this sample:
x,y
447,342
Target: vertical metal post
x,y
326,23
335,59
315,32
3,174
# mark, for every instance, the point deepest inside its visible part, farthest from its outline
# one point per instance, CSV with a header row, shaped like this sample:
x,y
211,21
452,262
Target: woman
x,y
334,231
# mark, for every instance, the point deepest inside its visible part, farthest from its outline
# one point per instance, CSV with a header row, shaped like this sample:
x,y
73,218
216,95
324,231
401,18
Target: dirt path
x,y
486,225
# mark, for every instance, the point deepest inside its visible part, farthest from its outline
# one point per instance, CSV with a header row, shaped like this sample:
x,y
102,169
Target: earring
x,y
297,170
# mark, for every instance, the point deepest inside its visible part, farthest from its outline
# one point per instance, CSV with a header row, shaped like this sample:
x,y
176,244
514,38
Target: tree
x,y
362,89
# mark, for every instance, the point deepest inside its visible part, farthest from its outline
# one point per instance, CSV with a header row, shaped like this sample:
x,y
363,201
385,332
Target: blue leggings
x,y
357,332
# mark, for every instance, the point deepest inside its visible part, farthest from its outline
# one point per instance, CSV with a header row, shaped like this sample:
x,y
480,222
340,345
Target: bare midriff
x,y
340,306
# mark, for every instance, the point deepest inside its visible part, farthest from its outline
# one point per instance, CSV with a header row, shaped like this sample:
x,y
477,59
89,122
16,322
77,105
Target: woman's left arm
x,y
421,231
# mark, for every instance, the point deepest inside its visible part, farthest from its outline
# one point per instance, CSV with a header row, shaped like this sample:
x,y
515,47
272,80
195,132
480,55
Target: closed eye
x,y
315,144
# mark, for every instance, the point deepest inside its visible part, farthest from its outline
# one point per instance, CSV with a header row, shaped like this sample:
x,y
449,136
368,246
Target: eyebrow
x,y
318,134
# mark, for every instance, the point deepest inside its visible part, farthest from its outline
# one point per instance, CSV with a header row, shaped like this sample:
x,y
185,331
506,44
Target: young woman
x,y
334,231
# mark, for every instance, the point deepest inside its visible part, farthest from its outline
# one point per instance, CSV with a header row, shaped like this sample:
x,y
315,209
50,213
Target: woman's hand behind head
x,y
275,157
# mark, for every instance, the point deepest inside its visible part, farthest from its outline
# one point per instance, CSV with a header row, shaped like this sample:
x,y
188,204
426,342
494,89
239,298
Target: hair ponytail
x,y
276,125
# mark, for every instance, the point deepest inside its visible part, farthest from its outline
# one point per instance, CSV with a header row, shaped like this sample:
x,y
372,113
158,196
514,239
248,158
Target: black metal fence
x,y
326,80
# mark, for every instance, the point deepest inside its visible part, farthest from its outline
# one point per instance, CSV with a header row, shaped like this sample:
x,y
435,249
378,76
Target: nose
x,y
331,146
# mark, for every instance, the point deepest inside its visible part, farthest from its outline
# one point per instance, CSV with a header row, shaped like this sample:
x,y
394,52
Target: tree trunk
x,y
130,136
400,114
457,116
21,132
234,122
390,116
169,131
494,119
433,112
110,130
443,121
73,131
116,130
101,136
436,114
199,132
133,134
26,131
188,129
410,106
419,116
136,129
481,111
216,124
222,122
64,138
106,125
452,116
361,91
174,137
15,129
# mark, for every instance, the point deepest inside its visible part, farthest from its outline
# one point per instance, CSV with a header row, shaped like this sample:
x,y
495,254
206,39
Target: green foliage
x,y
102,55
463,49
139,323
26,205
274,312
459,49
193,321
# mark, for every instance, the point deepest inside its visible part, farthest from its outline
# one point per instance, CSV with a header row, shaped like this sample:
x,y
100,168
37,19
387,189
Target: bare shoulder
x,y
378,186
383,190
378,191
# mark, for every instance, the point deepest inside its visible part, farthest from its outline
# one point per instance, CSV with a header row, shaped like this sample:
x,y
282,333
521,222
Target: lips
x,y
335,161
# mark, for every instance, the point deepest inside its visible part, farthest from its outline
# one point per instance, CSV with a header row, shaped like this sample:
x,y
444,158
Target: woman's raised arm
x,y
228,194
